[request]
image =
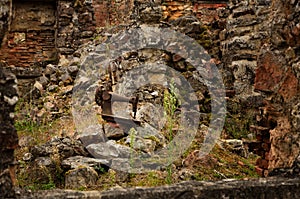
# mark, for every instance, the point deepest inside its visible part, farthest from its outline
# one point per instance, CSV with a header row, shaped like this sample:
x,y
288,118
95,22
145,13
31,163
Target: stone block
x,y
81,177
269,73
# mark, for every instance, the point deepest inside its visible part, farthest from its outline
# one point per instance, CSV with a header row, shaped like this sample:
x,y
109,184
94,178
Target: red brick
x,y
289,87
259,171
269,73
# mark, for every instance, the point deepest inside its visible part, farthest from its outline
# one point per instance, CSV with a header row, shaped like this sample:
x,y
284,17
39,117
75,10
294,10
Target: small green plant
x,y
48,186
82,188
169,176
28,124
100,169
152,179
170,105
24,121
132,143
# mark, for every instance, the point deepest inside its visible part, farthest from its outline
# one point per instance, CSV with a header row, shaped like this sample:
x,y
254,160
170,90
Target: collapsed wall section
x,y
260,46
257,41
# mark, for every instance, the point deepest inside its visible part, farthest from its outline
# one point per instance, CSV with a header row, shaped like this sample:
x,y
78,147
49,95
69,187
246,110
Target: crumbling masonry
x,y
255,42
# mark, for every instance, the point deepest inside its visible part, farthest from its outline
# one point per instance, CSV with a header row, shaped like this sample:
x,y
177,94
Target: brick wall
x,y
31,38
49,28
40,30
112,12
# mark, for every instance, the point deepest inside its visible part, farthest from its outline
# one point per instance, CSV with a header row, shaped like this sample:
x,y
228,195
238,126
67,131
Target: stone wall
x,y
260,46
46,29
49,30
256,41
277,78
245,32
4,17
58,27
31,38
112,12
75,24
255,189
8,134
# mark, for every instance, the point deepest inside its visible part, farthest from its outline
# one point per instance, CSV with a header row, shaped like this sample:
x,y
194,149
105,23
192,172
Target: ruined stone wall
x,y
245,32
277,78
4,17
31,38
41,33
51,28
8,134
203,10
112,12
255,189
45,29
256,41
260,47
75,24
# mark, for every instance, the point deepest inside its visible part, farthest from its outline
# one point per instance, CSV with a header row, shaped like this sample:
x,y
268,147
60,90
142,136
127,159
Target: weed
x,y
100,169
169,176
170,105
152,179
82,189
132,143
48,186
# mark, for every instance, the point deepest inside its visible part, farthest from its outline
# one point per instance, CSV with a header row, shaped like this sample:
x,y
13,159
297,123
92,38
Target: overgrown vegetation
x,y
34,131
219,164
238,121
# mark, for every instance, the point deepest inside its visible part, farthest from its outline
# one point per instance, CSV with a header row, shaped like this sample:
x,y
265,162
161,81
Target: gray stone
x,y
149,132
73,69
81,177
127,165
63,147
43,161
93,134
11,101
103,150
113,133
141,144
37,85
53,78
50,69
38,151
235,146
66,78
52,88
250,189
78,161
43,80
109,150
151,114
27,157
